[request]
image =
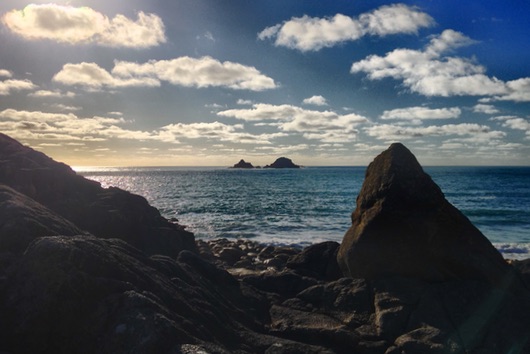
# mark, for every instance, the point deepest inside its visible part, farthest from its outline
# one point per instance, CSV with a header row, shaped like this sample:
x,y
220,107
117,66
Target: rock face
x,y
282,162
404,226
243,164
103,212
24,220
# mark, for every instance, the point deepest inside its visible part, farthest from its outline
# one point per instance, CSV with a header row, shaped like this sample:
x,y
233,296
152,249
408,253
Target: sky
x,y
210,82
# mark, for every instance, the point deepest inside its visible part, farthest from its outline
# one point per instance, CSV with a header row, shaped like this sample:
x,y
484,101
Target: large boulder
x,y
104,212
404,226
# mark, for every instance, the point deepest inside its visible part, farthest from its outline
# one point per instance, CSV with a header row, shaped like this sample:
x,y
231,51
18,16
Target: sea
x,y
300,207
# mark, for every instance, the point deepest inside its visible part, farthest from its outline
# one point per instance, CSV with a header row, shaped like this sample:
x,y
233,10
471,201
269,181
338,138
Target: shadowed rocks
x,y
404,226
99,294
106,213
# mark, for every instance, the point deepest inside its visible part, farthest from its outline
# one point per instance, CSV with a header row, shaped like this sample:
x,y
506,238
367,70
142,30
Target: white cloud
x,y
395,133
421,113
5,73
432,73
65,127
183,71
73,25
217,131
243,102
327,126
54,94
311,34
91,75
485,108
394,19
63,107
10,85
316,100
514,122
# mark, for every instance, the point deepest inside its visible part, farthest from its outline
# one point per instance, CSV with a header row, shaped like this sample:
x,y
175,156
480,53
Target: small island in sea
x,y
281,162
243,164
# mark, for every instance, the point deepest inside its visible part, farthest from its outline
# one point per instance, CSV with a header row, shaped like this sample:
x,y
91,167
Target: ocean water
x,y
314,204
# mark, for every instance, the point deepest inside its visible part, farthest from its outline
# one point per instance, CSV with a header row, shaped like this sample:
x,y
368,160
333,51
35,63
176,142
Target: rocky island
x,y
84,269
282,162
243,164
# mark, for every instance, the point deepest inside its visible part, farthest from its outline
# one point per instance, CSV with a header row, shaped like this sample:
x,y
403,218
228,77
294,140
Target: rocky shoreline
x,y
90,270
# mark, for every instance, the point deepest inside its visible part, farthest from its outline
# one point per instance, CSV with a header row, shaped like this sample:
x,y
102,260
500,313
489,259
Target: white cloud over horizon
x,y
182,71
312,34
78,25
432,73
418,114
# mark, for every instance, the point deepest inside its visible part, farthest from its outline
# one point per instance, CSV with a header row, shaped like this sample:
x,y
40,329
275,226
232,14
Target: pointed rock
x,y
404,226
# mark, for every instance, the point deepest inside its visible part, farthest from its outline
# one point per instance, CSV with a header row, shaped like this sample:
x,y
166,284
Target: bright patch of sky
x,y
210,82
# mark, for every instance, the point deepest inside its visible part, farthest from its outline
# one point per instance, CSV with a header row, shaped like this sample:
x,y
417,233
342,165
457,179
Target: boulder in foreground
x,y
404,226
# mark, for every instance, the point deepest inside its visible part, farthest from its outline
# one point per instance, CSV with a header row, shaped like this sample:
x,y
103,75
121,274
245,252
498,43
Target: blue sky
x,y
208,82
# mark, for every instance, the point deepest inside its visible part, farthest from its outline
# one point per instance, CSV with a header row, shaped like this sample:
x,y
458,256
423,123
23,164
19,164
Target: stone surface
x,y
243,164
282,162
319,260
23,220
110,212
403,225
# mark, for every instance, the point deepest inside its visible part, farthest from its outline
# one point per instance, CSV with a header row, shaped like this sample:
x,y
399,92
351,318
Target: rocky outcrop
x,y
282,162
243,164
88,294
404,226
110,212
23,220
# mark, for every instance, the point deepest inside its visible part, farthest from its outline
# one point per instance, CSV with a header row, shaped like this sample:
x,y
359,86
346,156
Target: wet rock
x,y
404,226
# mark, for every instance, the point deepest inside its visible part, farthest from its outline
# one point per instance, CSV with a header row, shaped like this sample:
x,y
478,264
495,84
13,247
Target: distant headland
x,y
281,162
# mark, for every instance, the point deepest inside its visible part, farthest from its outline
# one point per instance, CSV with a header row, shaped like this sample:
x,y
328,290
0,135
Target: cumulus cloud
x,y
52,93
326,126
418,114
514,122
485,108
68,127
431,72
316,100
5,73
183,71
311,34
74,25
10,85
395,133
218,131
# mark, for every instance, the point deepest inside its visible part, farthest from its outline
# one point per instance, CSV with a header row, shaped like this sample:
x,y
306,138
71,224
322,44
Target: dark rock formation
x,y
103,212
404,226
282,162
23,220
318,261
87,294
243,164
